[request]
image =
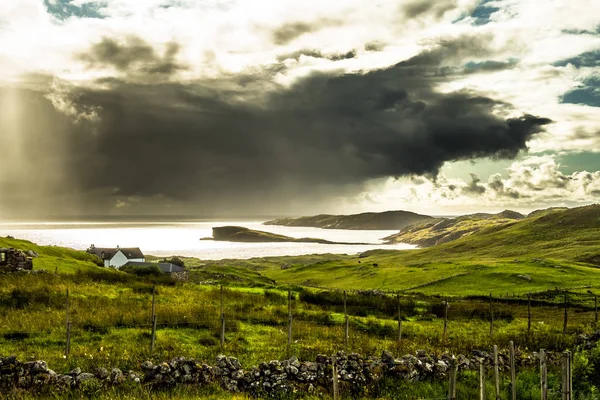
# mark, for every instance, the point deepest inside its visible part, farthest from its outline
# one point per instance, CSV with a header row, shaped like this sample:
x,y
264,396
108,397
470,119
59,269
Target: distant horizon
x,y
91,218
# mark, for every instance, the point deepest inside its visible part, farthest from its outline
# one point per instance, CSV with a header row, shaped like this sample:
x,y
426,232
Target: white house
x,y
117,257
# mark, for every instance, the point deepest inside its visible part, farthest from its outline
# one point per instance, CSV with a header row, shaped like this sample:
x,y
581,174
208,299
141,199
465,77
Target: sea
x,y
176,236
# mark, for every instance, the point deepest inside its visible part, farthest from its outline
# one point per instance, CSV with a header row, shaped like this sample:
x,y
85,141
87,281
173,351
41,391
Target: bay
x,y
181,237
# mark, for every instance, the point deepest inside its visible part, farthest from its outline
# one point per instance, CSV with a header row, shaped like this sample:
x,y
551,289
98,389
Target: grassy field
x,y
555,248
111,310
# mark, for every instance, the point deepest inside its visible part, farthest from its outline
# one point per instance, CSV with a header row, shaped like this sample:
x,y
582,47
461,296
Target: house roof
x,y
106,253
164,267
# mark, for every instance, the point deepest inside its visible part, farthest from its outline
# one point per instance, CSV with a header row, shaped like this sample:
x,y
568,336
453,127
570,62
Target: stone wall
x,y
269,379
12,260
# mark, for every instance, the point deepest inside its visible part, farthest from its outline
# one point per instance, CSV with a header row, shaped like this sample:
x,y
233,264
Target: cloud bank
x,y
217,107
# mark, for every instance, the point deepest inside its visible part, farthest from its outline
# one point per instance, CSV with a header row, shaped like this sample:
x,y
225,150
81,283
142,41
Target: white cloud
x,y
533,183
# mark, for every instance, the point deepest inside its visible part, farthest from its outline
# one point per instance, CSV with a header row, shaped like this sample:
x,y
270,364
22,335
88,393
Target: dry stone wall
x,y
269,379
13,260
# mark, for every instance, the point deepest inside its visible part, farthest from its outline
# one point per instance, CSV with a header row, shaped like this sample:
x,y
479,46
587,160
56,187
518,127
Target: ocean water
x,y
165,238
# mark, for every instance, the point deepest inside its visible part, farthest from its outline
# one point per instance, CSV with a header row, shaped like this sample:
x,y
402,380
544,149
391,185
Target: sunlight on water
x,y
183,238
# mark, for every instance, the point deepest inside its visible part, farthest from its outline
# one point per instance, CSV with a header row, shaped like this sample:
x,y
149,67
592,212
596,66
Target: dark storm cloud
x,y
292,30
242,141
133,54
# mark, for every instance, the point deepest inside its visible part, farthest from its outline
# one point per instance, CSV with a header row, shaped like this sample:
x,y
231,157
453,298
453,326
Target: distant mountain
x,y
436,231
242,234
389,220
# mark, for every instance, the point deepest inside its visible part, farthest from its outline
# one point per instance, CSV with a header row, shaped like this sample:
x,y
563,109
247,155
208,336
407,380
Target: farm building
x,y
117,257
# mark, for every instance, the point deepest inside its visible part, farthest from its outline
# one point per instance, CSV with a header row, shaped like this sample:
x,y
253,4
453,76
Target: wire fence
x,y
348,316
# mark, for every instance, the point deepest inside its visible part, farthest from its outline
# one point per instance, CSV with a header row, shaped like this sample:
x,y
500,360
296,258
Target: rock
x,y
102,373
75,372
116,375
525,277
387,357
32,254
85,376
147,366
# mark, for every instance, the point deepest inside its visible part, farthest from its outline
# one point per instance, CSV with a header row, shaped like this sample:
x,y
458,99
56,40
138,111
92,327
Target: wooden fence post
x,y
496,373
289,318
596,310
563,375
481,380
399,320
153,338
513,373
335,378
153,301
570,376
543,375
68,326
445,321
491,318
567,381
153,334
346,327
222,319
68,347
529,313
566,313
452,380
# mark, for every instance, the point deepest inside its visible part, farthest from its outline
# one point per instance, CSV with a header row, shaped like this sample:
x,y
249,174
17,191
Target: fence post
x,y
68,348
153,334
496,373
491,318
452,380
565,319
481,380
445,321
543,375
399,320
153,339
567,382
570,376
596,310
68,326
346,330
153,301
529,313
335,378
289,318
222,319
513,372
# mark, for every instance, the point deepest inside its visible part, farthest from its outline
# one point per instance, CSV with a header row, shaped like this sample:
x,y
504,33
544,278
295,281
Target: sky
x,y
222,108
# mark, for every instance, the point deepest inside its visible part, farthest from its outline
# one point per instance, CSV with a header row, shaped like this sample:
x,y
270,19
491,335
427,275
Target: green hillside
x,y
53,258
558,248
366,221
436,231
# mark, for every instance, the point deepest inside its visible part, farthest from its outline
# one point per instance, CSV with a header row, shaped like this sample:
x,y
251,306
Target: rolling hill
x,y
436,231
389,220
556,248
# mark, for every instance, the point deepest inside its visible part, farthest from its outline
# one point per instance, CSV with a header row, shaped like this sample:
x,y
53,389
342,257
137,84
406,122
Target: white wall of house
x,y
107,263
119,259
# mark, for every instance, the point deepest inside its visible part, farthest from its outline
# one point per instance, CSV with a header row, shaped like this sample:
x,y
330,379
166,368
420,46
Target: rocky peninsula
x,y
242,234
